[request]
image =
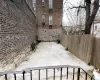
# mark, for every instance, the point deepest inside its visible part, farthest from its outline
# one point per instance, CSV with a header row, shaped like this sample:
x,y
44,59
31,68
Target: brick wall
x,y
49,35
30,3
56,12
17,30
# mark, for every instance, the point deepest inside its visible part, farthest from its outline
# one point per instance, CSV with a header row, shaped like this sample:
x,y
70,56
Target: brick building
x,y
17,32
18,27
30,3
49,18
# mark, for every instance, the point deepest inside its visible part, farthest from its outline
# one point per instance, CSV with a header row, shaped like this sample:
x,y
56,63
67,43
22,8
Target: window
x,y
43,3
50,20
34,4
43,19
50,4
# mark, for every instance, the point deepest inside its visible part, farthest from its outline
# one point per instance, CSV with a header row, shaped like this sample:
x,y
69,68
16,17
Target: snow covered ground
x,y
51,54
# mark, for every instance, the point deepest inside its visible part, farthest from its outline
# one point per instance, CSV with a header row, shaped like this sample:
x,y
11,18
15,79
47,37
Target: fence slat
x,y
79,45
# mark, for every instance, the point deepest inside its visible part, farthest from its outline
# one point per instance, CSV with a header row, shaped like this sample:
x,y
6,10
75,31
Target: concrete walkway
x,y
49,54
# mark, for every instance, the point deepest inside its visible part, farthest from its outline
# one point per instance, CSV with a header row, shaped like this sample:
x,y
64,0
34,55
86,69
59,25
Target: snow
x,y
96,75
49,54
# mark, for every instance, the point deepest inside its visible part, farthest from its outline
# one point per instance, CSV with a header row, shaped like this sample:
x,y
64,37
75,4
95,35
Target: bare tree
x,y
90,17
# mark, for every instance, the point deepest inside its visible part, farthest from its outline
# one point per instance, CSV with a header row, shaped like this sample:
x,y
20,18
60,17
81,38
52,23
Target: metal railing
x,y
65,72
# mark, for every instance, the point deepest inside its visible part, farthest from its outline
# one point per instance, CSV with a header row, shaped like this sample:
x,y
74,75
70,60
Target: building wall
x,y
30,3
56,12
49,34
17,32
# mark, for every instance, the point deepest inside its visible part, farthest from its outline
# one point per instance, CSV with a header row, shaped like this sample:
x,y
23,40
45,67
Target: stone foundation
x,y
49,34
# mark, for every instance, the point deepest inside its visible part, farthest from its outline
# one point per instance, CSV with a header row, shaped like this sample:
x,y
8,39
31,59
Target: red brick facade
x,y
55,12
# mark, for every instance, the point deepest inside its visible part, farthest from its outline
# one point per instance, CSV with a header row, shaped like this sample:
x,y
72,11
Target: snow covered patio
x,y
50,54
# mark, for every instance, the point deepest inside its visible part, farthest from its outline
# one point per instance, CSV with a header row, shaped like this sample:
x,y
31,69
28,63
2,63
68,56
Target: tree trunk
x,y
90,18
88,11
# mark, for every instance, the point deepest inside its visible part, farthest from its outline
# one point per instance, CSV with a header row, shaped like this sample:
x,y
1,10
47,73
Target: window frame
x,y
34,4
50,4
50,20
43,19
43,3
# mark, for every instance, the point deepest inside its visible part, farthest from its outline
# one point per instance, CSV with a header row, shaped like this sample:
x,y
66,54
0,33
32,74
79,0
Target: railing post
x,y
91,78
23,75
61,74
73,72
78,74
86,77
39,74
15,76
46,74
54,73
30,74
6,77
67,72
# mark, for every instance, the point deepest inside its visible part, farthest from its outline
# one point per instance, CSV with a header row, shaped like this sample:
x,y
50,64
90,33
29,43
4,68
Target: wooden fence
x,y
95,58
79,45
85,47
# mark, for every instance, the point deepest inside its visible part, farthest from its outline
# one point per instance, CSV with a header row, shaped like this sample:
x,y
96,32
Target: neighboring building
x,y
30,3
79,29
17,32
49,18
95,29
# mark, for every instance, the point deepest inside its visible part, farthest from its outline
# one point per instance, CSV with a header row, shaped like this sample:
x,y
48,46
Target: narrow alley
x,y
49,40
49,54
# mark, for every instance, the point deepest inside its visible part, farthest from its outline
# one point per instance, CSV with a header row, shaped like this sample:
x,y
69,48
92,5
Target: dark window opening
x,y
50,26
43,23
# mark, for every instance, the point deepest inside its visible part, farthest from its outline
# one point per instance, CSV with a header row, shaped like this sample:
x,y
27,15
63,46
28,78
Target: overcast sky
x,y
66,16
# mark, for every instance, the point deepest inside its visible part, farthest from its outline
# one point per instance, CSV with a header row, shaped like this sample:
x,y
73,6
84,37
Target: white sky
x,y
65,16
